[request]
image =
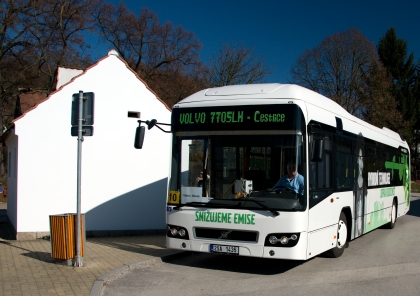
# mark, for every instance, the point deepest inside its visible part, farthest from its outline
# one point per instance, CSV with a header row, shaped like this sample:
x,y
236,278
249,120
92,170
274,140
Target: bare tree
x,y
346,68
152,49
173,87
236,65
57,36
336,68
35,37
12,39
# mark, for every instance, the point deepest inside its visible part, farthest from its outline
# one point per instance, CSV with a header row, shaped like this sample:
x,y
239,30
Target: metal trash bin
x,y
63,236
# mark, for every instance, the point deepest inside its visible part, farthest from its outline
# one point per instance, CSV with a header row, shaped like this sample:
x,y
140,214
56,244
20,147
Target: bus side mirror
x,y
138,141
317,150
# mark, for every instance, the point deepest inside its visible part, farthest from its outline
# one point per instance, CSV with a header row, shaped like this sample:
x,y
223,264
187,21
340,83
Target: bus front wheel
x,y
338,250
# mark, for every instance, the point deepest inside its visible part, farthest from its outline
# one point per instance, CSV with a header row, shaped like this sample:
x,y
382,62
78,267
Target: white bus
x,y
230,147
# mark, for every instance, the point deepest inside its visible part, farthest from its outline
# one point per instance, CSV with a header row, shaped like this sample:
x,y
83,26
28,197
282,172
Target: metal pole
x,y
78,262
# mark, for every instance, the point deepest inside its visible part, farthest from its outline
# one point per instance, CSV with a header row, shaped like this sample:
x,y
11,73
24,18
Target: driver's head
x,y
291,169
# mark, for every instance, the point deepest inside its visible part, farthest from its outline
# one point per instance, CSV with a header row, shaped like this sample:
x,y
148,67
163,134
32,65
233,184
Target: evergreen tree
x,y
406,86
393,54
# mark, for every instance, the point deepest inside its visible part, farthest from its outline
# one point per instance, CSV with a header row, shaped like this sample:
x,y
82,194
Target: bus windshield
x,y
240,169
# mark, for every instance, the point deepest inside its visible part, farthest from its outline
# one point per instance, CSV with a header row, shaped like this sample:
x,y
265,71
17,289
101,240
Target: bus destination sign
x,y
228,117
237,117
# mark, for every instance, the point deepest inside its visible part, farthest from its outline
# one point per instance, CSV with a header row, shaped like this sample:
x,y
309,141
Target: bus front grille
x,y
226,234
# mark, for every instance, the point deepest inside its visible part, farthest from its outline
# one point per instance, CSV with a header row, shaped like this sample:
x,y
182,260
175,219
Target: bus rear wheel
x,y
338,250
391,224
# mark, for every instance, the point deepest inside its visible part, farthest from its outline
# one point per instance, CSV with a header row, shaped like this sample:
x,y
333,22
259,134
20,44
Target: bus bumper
x,y
297,252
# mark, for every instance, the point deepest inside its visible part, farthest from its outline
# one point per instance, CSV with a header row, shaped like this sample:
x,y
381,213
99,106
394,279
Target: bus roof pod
x,y
247,89
264,91
393,134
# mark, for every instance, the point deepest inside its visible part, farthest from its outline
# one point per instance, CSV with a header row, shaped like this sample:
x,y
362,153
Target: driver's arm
x,y
278,185
281,185
301,187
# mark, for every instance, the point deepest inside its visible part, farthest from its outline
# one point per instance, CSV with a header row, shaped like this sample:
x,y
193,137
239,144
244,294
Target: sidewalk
x,y
26,267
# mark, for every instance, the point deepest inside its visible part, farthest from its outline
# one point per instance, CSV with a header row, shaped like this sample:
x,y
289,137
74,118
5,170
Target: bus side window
x,y
344,174
320,175
372,159
320,172
344,171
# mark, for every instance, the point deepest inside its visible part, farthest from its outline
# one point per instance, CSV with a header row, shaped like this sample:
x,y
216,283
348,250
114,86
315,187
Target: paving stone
x,y
27,268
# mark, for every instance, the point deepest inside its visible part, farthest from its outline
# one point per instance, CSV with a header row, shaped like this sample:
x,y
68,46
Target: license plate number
x,y
224,249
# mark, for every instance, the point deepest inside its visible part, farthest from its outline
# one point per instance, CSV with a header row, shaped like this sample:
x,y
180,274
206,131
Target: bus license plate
x,y
224,249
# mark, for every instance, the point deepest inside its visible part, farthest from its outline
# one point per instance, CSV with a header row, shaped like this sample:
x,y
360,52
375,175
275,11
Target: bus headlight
x,y
176,232
287,240
284,240
272,240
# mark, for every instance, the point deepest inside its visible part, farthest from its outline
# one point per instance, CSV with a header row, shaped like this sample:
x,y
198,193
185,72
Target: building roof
x,y
29,100
110,53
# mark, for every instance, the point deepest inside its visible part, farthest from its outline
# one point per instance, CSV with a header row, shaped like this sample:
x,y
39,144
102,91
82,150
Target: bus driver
x,y
292,180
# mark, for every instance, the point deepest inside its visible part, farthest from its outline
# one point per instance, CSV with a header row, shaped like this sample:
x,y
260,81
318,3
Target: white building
x,y
122,188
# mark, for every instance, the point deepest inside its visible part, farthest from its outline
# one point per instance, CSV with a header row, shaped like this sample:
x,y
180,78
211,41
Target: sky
x,y
280,31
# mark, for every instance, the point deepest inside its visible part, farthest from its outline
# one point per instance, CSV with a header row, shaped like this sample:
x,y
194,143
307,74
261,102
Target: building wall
x,y
122,188
12,148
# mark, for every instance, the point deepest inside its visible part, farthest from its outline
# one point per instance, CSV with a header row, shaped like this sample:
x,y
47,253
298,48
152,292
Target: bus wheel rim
x,y
341,234
394,213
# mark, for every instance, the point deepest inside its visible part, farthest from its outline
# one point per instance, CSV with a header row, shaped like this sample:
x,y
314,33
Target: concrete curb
x,y
119,271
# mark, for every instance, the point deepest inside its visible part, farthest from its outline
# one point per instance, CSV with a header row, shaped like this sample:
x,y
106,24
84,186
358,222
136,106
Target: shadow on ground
x,y
414,208
153,245
6,228
241,264
41,256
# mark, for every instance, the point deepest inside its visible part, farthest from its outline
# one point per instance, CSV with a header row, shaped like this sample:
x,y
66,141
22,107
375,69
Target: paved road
x,y
383,262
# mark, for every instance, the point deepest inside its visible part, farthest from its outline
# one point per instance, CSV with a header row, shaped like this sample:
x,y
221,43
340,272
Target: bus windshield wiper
x,y
275,213
196,203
